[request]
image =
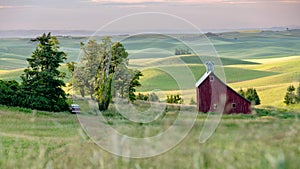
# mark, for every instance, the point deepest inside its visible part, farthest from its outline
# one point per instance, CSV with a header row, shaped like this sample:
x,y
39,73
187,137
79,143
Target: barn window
x,y
215,106
212,78
233,105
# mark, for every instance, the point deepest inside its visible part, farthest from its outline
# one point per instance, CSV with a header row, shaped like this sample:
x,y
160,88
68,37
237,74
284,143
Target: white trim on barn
x,y
201,80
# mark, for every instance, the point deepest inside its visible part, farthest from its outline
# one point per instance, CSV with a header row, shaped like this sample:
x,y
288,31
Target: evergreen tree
x,y
134,83
119,57
242,93
298,94
42,81
290,97
252,96
122,75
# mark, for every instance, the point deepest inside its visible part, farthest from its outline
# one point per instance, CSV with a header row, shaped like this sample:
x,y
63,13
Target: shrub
x,y
141,96
192,102
9,92
153,97
174,99
148,97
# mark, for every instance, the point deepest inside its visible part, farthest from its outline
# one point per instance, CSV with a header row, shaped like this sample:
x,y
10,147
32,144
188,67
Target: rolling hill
x,y
266,60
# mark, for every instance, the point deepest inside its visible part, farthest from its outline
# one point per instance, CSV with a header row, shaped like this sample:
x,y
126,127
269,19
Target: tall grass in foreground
x,y
30,139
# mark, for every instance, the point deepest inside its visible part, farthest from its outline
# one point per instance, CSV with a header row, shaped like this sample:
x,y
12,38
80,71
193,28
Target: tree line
x,y
101,73
182,51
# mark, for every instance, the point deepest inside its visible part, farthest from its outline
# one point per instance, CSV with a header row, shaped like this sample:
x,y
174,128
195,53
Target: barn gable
x,y
213,94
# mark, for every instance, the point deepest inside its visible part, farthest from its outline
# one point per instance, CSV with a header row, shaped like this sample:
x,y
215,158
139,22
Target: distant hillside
x,y
236,45
35,33
264,44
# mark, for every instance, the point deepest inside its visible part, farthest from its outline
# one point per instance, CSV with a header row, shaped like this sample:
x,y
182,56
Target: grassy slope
x,y
158,78
272,89
189,59
11,74
265,44
46,140
14,51
16,73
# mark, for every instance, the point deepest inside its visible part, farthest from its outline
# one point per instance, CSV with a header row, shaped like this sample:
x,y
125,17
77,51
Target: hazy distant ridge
x,y
85,33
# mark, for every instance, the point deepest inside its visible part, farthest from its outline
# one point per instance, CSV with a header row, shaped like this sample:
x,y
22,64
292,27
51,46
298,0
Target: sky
x,y
94,14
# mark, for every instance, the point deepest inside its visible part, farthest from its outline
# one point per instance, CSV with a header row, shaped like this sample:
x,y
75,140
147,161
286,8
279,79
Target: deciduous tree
x,y
84,77
109,60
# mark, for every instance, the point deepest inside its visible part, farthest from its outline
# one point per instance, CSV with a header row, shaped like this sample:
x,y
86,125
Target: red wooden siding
x,y
212,93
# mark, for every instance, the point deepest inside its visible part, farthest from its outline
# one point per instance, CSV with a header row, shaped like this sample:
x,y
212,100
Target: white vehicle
x,y
75,108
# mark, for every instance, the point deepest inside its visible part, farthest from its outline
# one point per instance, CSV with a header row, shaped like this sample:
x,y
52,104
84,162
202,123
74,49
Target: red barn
x,y
213,95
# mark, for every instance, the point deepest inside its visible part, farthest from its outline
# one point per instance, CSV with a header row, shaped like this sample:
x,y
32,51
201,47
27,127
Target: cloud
x,y
187,2
170,1
290,1
6,7
12,6
126,1
146,3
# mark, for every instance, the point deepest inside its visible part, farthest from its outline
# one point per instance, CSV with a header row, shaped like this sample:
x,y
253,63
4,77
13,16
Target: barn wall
x,y
213,95
242,106
204,96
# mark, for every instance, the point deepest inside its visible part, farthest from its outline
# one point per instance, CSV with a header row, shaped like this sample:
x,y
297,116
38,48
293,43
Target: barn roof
x,y
201,80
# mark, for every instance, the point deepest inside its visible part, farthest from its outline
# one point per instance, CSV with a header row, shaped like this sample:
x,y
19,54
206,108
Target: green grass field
x,y
272,89
158,78
34,139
